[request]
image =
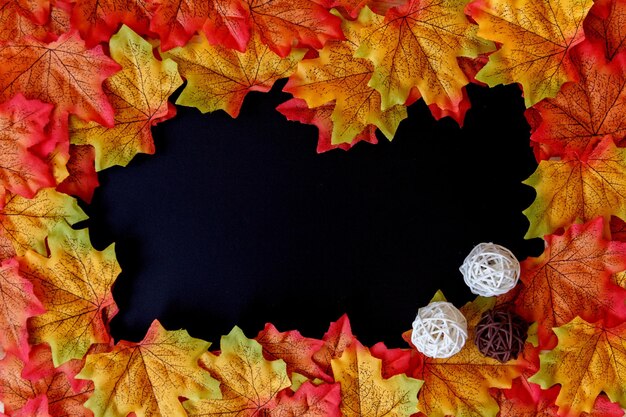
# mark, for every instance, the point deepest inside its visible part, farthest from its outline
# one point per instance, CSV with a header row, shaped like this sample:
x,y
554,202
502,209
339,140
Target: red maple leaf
x,y
605,26
83,178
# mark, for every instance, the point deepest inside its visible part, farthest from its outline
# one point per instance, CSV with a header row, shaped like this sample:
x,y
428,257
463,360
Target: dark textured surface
x,y
240,222
501,334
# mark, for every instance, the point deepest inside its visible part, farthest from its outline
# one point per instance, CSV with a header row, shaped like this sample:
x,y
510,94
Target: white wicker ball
x,y
490,270
439,330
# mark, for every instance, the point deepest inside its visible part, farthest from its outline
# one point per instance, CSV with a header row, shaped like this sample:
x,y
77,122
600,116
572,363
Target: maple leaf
x,y
536,37
297,109
17,304
139,94
582,113
6,250
573,278
27,222
309,401
364,392
62,72
417,45
249,383
294,349
577,188
82,179
337,75
336,340
15,27
74,286
605,26
589,359
224,22
22,124
220,78
147,378
98,20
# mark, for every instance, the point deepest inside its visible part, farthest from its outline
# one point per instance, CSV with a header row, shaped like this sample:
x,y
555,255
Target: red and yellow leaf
x,y
536,38
74,285
337,339
139,94
15,27
83,179
309,401
605,26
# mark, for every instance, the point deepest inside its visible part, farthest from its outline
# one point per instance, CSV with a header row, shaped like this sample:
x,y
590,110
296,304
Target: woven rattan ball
x,y
439,330
490,270
501,334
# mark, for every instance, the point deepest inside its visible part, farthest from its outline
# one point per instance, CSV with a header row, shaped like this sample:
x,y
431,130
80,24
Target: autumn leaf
x,y
364,392
396,361
336,75
36,10
74,286
578,188
296,109
147,378
605,26
536,38
337,339
98,20
309,401
83,179
15,27
139,94
249,383
588,360
27,222
583,112
29,66
17,304
6,250
224,22
219,78
416,46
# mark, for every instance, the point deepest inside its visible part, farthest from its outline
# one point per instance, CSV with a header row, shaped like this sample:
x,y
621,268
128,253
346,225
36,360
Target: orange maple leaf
x,y
589,359
147,378
74,285
605,26
62,72
309,401
139,94
6,248
578,188
220,78
536,37
15,27
416,46
583,112
36,10
83,178
336,340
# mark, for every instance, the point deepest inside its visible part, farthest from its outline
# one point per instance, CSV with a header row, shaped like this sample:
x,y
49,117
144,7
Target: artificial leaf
x,y
309,401
589,359
536,38
17,304
82,179
583,112
297,351
98,20
15,27
74,286
139,94
6,250
36,10
22,124
297,109
417,45
147,378
27,222
573,278
30,65
364,392
224,22
396,361
578,188
336,75
249,383
220,78
284,23
605,26
337,339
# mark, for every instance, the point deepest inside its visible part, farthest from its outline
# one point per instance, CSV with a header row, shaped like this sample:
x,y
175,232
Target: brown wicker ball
x,y
501,334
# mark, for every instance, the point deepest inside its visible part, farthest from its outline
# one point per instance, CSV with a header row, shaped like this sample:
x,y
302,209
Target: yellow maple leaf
x,y
417,45
589,359
578,189
26,222
340,76
365,393
536,36
147,378
138,93
249,383
74,287
219,78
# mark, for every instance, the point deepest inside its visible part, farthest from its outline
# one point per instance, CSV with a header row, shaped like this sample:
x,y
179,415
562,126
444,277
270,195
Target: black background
x,y
241,222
